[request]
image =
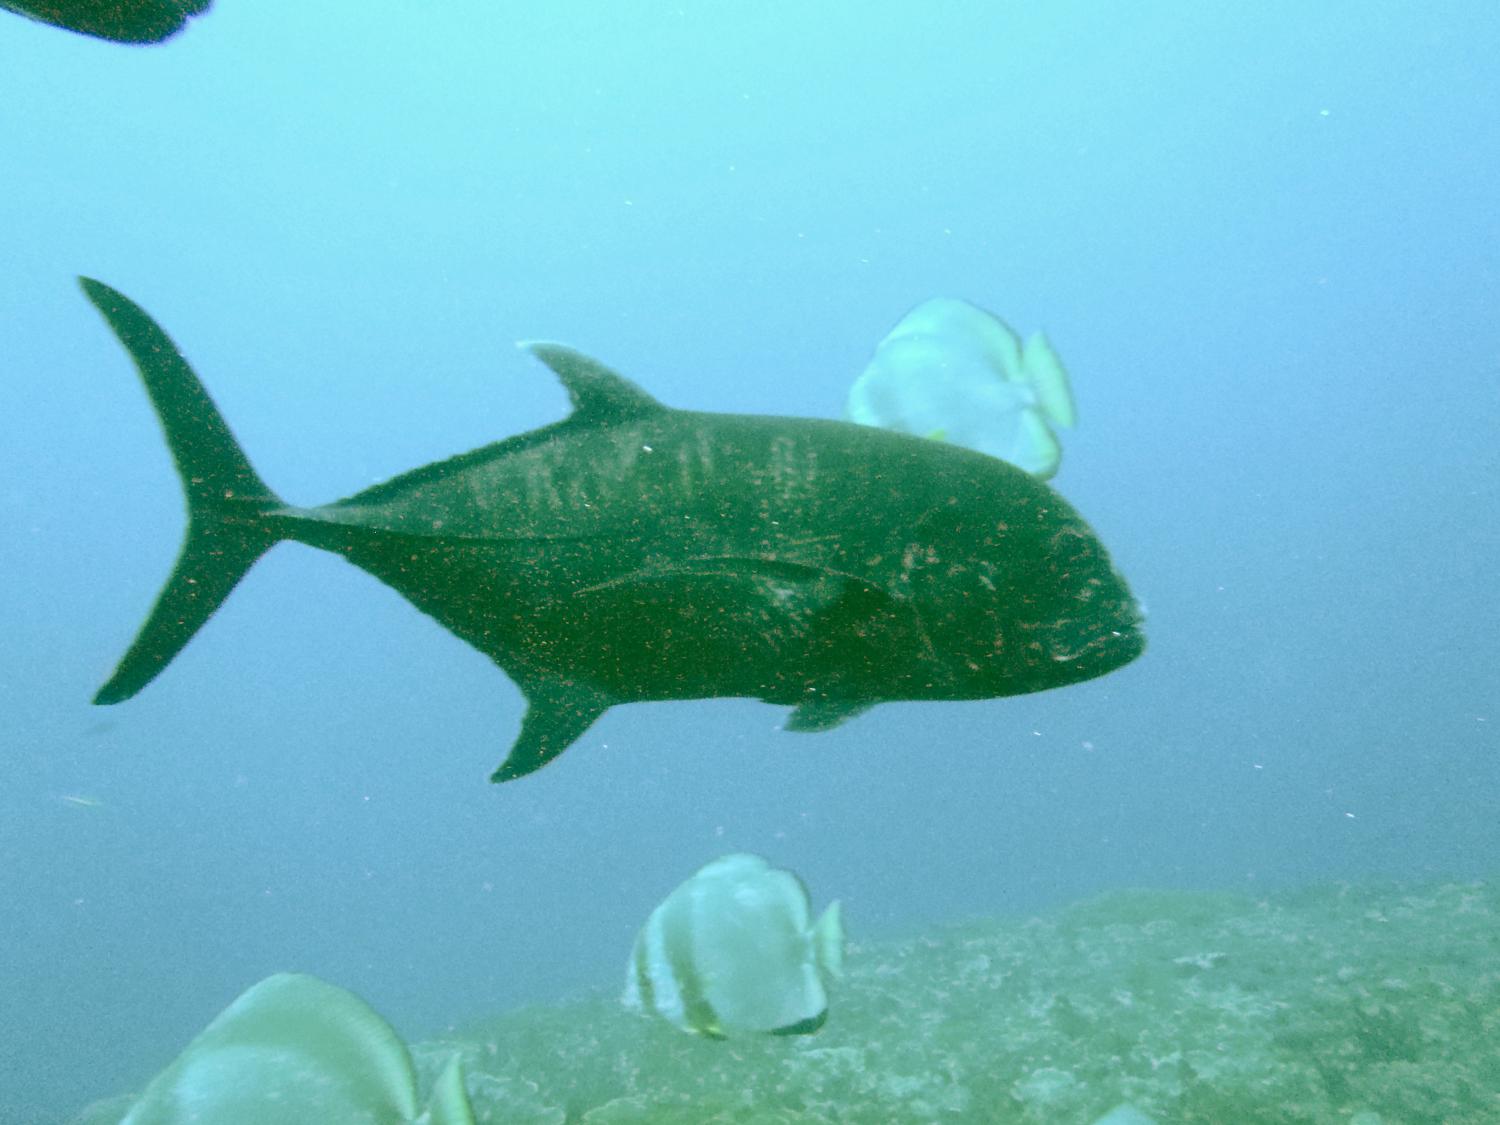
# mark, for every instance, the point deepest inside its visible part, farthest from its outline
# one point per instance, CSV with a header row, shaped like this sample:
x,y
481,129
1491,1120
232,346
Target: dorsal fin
x,y
600,396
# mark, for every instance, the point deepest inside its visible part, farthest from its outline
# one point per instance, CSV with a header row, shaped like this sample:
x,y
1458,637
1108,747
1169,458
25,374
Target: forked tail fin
x,y
227,500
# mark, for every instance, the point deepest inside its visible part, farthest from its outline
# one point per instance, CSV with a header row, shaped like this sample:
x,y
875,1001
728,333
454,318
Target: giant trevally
x,y
632,551
124,21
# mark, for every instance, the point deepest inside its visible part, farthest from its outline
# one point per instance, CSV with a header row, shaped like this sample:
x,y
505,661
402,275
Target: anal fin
x,y
824,714
557,714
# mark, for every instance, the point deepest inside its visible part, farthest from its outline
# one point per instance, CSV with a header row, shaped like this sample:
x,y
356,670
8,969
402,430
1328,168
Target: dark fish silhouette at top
x,y
124,21
636,552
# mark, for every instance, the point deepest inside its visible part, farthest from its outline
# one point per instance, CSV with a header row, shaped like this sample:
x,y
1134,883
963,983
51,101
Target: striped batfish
x,y
952,371
735,950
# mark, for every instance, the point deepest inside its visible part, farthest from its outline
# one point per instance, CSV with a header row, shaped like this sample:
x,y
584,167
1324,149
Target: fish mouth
x,y
1095,645
1124,644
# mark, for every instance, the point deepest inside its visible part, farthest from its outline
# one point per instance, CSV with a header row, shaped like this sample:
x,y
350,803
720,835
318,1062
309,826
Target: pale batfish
x,y
297,1050
735,950
636,552
124,21
950,370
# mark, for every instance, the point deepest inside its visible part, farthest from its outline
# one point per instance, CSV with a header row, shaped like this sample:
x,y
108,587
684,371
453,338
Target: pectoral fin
x,y
731,572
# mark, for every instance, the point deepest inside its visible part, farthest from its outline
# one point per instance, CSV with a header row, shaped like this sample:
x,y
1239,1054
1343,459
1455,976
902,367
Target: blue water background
x,y
1266,242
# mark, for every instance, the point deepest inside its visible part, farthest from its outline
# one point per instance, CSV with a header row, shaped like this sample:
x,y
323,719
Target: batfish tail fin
x,y
227,500
828,940
1042,368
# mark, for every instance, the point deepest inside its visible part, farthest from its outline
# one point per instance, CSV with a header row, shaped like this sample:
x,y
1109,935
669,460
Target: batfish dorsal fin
x,y
600,396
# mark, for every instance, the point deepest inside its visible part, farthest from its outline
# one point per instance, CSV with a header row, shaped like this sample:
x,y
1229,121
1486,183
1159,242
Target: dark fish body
x,y
123,21
637,552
